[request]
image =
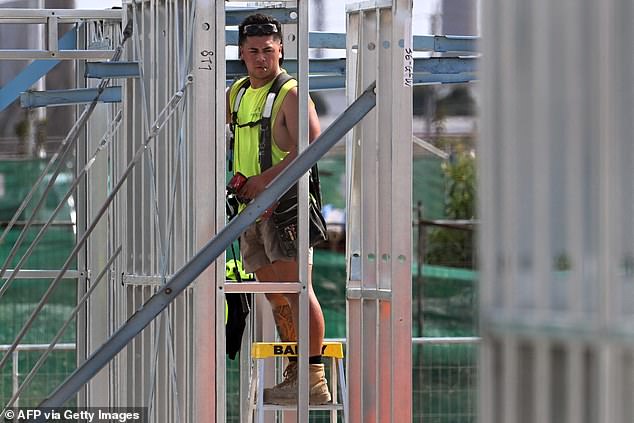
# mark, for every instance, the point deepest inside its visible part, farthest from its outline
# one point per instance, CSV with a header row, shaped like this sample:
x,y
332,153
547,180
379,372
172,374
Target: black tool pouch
x,y
285,221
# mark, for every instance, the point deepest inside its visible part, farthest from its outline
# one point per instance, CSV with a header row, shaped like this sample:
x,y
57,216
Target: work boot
x,y
290,379
285,393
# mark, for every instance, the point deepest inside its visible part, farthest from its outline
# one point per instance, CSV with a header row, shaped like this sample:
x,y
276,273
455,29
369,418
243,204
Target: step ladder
x,y
260,351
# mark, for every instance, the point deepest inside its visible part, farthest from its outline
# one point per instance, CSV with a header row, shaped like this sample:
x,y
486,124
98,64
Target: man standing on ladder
x,y
261,50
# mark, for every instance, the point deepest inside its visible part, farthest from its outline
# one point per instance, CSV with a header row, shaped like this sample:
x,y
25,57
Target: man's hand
x,y
253,187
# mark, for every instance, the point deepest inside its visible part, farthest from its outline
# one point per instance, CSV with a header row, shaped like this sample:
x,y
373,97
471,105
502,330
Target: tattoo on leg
x,y
284,323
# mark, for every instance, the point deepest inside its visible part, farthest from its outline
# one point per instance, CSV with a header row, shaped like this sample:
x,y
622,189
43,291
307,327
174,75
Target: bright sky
x,y
96,4
423,10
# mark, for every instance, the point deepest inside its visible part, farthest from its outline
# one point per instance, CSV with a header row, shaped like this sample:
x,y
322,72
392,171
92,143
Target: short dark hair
x,y
259,18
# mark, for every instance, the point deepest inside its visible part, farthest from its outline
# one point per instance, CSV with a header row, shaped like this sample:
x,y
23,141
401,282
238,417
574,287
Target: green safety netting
x,y
447,305
16,179
448,297
428,183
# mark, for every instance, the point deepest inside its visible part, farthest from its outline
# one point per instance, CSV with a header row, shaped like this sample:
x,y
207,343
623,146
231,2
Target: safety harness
x,y
288,214
264,147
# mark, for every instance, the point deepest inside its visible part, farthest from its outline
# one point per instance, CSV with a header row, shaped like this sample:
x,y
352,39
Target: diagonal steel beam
x,y
214,248
33,72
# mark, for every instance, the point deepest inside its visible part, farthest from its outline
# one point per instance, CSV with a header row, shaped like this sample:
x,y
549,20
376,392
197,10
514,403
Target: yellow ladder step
x,y
289,349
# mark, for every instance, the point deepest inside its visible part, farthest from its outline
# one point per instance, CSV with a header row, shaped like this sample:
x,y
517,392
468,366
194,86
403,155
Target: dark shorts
x,y
259,246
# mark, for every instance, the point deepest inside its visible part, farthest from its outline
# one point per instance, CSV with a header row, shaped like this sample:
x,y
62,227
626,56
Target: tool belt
x,y
285,221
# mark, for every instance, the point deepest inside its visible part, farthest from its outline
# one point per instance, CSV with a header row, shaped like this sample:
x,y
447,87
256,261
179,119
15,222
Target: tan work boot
x,y
285,393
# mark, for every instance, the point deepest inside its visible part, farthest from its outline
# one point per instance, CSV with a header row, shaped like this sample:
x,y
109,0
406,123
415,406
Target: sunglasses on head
x,y
259,29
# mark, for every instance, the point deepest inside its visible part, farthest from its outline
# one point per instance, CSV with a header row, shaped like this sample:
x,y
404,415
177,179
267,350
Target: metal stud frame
x,y
379,204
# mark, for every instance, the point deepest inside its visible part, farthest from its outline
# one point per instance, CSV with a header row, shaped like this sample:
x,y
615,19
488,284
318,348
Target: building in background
x,y
443,113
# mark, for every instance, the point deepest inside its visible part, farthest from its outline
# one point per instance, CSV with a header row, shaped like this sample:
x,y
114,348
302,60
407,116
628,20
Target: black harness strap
x,y
264,146
266,159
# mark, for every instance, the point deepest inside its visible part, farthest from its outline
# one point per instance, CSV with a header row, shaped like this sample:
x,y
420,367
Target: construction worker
x,y
261,50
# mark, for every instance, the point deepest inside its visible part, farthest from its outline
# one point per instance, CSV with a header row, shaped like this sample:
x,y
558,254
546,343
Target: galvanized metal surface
x,y
555,157
51,19
52,98
135,221
378,233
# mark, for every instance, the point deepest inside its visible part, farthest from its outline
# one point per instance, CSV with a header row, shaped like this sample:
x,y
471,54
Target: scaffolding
x,y
555,166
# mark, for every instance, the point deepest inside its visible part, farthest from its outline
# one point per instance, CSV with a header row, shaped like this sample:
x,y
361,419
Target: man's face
x,y
261,55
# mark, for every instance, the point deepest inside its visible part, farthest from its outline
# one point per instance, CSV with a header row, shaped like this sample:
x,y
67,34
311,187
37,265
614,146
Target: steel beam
x,y
337,41
33,72
15,54
445,65
329,74
112,70
283,15
337,66
42,16
446,43
52,98
52,18
303,134
40,274
262,287
335,82
214,248
208,119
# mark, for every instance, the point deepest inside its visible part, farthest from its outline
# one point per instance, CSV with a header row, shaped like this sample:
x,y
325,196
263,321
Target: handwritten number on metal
x,y
207,61
408,68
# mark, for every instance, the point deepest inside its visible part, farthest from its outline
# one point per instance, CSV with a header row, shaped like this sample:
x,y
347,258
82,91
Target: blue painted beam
x,y
331,40
326,82
319,66
231,37
284,15
235,68
447,78
450,43
337,66
334,40
444,65
337,82
446,43
319,82
327,40
33,72
103,70
51,98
